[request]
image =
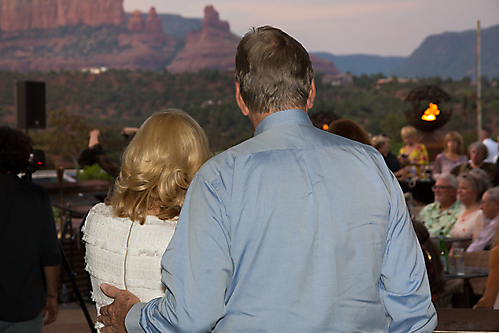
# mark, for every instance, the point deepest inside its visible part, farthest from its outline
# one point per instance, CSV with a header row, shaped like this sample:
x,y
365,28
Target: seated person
x,y
490,210
413,156
472,185
440,216
490,298
452,155
382,144
478,154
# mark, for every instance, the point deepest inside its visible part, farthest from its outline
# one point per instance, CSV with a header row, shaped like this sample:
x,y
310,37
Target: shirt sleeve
x,y
197,267
133,317
404,286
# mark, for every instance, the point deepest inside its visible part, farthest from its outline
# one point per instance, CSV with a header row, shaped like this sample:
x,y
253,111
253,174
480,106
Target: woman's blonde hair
x,y
454,136
408,132
158,166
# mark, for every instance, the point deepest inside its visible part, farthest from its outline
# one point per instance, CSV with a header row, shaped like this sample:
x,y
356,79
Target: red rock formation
x,y
136,21
153,23
45,14
211,20
323,66
213,47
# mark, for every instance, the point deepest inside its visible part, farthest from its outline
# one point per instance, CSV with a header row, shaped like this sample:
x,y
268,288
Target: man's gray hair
x,y
493,193
449,177
479,145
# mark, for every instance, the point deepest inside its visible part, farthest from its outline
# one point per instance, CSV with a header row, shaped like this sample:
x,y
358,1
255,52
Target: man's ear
x,y
240,102
311,96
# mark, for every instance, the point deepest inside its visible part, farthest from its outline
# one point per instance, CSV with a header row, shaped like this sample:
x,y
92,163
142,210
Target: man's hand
x,y
51,309
113,315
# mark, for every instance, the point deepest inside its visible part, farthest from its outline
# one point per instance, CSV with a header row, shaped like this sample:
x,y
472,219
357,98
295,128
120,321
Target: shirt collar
x,y
282,118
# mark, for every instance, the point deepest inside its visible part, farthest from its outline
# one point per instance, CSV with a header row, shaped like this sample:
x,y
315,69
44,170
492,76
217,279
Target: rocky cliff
x,y
142,45
45,14
213,47
152,25
42,35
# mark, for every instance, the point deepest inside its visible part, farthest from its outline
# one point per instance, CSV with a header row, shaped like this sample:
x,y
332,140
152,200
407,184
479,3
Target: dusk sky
x,y
382,27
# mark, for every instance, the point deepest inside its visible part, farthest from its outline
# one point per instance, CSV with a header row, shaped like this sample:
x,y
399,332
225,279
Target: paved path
x,y
71,319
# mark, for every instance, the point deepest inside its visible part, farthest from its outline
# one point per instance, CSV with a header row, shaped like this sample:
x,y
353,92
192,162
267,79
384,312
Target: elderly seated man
x,y
487,229
478,153
440,216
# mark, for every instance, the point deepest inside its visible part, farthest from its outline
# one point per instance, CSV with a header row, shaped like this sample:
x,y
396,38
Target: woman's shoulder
x,y
421,146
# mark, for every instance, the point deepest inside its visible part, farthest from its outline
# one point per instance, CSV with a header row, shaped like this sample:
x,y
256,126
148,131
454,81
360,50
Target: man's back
x,y
27,242
306,231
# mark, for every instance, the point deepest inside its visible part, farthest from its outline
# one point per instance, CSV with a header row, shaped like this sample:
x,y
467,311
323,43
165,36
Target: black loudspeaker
x,y
30,104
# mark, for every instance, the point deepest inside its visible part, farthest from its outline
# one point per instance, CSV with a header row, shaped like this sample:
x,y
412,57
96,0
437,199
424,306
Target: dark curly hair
x,y
15,148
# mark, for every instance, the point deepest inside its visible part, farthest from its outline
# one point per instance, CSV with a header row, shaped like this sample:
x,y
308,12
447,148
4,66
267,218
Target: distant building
x,y
393,79
94,70
338,79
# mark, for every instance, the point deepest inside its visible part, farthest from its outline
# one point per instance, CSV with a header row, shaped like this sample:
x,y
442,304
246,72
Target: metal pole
x,y
478,84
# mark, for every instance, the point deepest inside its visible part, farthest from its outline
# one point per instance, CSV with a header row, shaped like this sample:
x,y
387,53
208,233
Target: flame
x,y
431,113
325,127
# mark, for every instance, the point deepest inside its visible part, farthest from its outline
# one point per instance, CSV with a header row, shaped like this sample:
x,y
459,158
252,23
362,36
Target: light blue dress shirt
x,y
293,230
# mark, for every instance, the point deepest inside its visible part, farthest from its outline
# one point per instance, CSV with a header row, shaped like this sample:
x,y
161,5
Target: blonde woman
x,y
472,185
126,237
413,154
452,155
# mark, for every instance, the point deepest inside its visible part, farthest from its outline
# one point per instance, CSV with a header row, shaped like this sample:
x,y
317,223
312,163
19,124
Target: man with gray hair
x,y
440,216
294,230
478,153
487,229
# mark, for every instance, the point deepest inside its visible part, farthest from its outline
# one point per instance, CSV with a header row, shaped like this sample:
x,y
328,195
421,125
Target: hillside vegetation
x,y
77,102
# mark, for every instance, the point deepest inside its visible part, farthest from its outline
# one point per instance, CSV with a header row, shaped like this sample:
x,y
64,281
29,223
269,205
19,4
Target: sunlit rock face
x,y
213,47
45,14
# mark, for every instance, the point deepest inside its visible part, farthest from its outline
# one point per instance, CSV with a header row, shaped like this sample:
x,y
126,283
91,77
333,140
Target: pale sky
x,y
382,27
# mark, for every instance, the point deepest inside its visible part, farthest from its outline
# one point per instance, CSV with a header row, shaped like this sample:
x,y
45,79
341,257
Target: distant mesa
x,y
151,25
27,43
136,22
324,66
46,14
213,47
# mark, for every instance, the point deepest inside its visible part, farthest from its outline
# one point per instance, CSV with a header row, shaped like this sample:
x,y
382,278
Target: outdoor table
x,y
467,320
420,189
469,273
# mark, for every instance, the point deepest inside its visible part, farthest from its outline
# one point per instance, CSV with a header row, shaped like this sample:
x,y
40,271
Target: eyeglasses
x,y
435,187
